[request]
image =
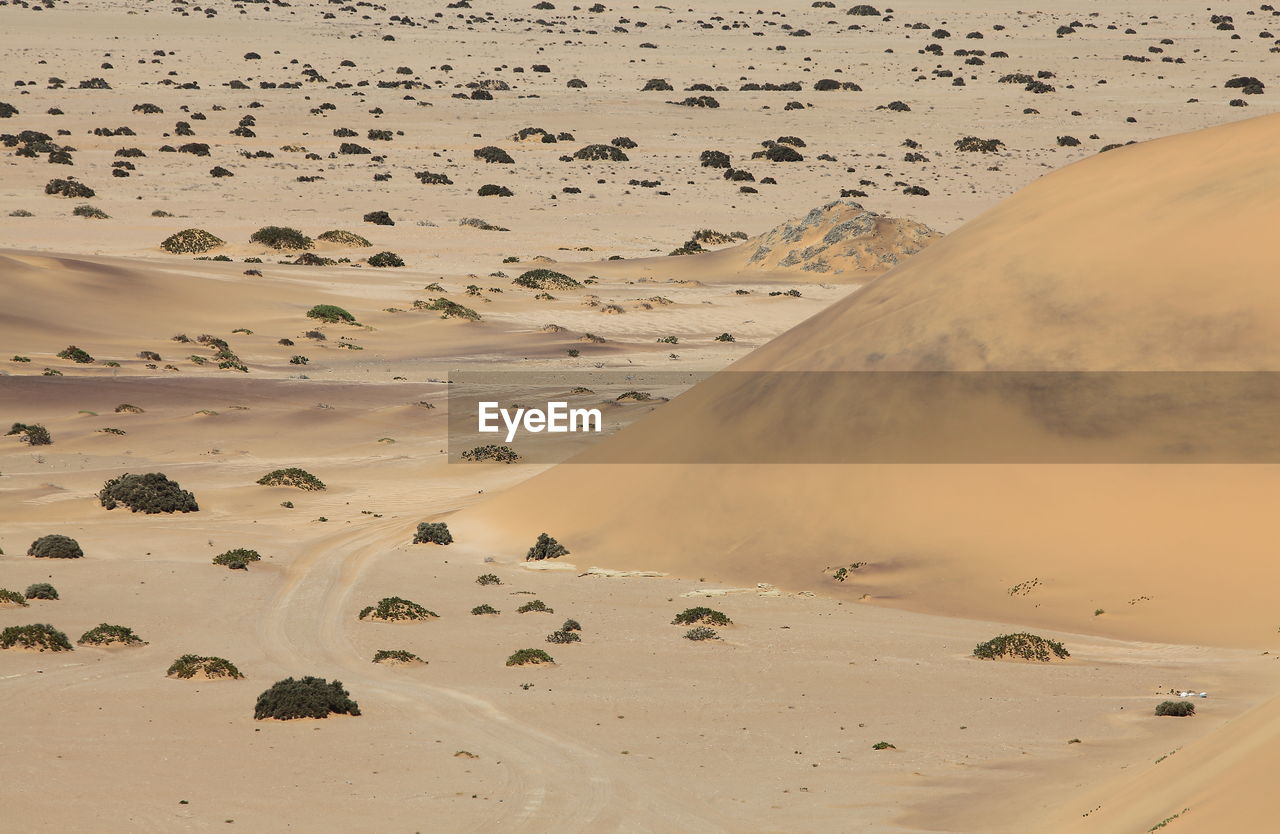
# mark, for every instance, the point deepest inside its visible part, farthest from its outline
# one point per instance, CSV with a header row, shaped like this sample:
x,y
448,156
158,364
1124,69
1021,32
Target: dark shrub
x,y
864,10
55,546
974,144
658,84
701,614
106,634
488,579
69,188
715,159
391,609
546,548
379,218
1068,141
75,354
428,178
491,153
307,697
782,153
281,237
529,657
150,493
396,656
725,337
33,434
237,559
1022,645
194,148
292,477
571,625
352,149
484,609
41,590
193,665
491,190
606,153
562,636
1178,709
385,259
330,313
542,279
41,637
433,532
194,241
497,454
535,605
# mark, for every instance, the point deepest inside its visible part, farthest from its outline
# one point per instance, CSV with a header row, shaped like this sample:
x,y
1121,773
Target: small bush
x,y
237,559
55,546
75,354
491,190
396,656
484,609
385,259
191,241
1178,709
701,614
537,606
1023,646
193,665
546,547
41,637
33,434
701,633
106,634
491,153
726,337
41,590
448,309
330,313
379,218
498,454
8,597
90,212
151,493
542,279
975,145
281,237
69,188
488,579
596,153
390,609
292,477
883,745
433,532
343,238
308,697
562,636
529,657
571,625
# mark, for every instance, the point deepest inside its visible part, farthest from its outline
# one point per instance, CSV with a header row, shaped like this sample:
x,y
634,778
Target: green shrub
x,y
8,597
701,614
1023,646
150,493
433,532
726,337
33,434
883,745
281,237
1178,709
488,579
448,309
536,605
292,477
330,313
193,665
396,608
484,609
542,279
106,634
497,454
41,590
191,241
562,636
571,625
90,212
385,259
75,354
344,238
55,546
545,548
529,657
41,636
701,633
237,559
307,697
396,656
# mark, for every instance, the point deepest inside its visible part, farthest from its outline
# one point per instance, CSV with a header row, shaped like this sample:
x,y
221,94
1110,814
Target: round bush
x,y
292,477
41,590
330,313
307,697
343,238
563,636
385,259
546,547
529,657
106,634
237,559
281,237
433,532
194,241
390,609
701,614
40,637
1177,709
196,666
151,493
1022,646
55,546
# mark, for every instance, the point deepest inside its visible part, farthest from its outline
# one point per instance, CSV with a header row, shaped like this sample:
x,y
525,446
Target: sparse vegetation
x,y
497,454
331,314
701,633
561,637
32,434
191,241
237,559
392,609
529,657
106,634
193,665
292,477
541,279
8,597
396,656
307,697
151,493
40,637
702,614
344,238
488,579
535,606
486,608
1021,646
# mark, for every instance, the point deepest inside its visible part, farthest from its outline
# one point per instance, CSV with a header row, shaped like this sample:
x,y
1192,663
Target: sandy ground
x,y
772,727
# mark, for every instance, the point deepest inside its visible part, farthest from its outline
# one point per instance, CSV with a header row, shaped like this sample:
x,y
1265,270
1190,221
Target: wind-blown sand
x,y
1153,257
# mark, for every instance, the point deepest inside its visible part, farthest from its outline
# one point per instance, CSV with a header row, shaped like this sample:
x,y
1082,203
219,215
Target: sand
x,y
1154,256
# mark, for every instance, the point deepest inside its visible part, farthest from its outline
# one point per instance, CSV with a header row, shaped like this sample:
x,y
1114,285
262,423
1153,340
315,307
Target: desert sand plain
x,y
1155,256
